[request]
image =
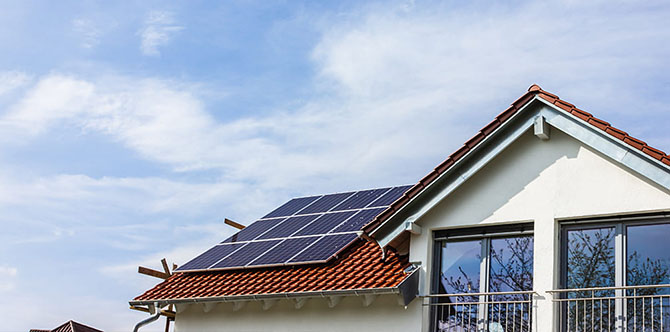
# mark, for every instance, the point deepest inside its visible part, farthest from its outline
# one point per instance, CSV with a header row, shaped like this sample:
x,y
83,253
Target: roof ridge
x,y
533,91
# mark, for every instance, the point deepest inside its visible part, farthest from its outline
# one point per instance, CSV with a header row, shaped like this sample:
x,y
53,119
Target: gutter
x,y
149,320
408,288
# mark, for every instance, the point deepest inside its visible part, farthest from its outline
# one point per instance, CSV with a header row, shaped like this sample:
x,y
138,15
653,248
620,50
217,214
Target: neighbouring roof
x,y
359,267
70,326
533,91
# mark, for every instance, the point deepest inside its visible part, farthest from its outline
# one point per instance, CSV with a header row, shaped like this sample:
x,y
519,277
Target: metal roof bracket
x,y
541,128
412,227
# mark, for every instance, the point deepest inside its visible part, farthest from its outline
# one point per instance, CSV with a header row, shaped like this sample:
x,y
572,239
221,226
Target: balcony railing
x,y
494,312
629,309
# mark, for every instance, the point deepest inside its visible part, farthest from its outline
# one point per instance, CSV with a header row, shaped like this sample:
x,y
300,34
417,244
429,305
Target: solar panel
x,y
325,203
254,230
303,230
359,220
291,207
285,251
390,197
325,248
246,254
361,199
289,226
210,257
325,223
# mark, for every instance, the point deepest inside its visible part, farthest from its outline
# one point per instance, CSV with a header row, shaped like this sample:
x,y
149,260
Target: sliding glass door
x,y
479,276
619,274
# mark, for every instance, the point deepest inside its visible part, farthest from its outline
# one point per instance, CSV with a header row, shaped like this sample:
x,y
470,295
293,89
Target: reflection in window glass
x,y
647,260
648,251
460,267
511,264
591,258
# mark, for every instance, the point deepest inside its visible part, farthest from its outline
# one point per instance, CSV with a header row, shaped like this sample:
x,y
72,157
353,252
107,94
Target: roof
x,y
358,267
533,91
70,326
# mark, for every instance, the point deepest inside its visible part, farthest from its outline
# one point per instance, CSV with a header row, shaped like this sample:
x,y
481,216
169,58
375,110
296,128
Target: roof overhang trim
x,y
501,138
408,289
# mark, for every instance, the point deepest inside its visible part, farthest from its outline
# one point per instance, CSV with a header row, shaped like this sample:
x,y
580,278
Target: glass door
x,y
484,266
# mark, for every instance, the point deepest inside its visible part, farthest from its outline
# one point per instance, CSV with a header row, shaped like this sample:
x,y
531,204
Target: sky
x,y
130,130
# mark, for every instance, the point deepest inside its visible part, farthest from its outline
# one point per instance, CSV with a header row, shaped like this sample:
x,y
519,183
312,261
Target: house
x,y
548,219
70,326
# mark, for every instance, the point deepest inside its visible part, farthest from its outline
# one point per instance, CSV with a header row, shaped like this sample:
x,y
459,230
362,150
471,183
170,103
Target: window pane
x,y
647,258
460,267
459,273
511,264
591,258
648,254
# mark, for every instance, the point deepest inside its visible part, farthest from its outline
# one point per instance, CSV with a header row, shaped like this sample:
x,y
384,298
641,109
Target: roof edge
x,y
278,296
534,92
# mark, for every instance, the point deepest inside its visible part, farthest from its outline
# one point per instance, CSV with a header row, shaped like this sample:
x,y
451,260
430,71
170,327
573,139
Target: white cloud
x,y
12,80
88,32
7,278
158,29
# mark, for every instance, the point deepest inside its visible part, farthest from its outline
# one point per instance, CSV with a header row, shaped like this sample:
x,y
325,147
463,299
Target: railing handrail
x,y
478,294
573,290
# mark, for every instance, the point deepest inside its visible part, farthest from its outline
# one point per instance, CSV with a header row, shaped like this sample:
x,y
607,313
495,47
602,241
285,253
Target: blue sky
x,y
129,130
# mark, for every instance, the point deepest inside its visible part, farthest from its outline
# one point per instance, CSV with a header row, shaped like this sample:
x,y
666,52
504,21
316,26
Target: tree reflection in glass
x,y
591,263
459,273
510,269
648,258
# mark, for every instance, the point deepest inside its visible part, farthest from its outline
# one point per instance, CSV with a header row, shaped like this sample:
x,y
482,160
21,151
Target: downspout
x,y
151,319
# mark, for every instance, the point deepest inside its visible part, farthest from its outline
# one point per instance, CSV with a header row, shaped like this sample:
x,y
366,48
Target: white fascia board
x,y
582,131
612,147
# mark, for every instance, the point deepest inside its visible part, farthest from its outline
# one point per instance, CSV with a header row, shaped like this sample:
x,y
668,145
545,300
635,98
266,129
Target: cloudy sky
x,y
128,131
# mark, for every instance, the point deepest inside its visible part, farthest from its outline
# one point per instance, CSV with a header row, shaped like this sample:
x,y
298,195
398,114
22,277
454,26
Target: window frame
x,y
485,233
620,225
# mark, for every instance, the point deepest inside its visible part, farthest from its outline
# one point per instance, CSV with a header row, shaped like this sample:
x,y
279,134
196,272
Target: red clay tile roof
x,y
70,326
533,91
358,267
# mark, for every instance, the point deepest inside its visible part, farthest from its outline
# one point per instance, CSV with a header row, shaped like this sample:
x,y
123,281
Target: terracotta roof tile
x,y
360,266
533,91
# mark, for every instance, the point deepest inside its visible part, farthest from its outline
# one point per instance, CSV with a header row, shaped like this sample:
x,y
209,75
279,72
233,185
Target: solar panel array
x,y
302,231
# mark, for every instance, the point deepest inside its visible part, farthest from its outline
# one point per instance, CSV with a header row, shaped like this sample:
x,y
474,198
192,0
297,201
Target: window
x,y
618,269
491,263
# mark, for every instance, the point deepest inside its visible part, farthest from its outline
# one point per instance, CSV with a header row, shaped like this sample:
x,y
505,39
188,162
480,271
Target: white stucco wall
x,y
541,182
384,314
532,180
